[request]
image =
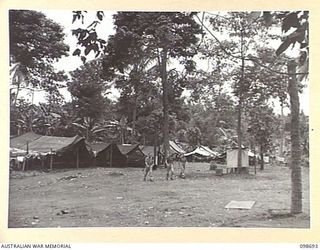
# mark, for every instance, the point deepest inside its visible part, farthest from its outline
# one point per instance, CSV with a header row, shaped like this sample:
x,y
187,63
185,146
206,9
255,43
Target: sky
x,y
70,63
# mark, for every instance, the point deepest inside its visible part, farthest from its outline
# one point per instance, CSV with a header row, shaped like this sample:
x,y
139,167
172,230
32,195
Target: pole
x,y
24,163
51,159
78,157
255,159
111,149
42,162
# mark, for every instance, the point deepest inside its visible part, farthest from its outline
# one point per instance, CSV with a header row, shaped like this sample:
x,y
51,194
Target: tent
x,y
20,142
147,150
199,154
52,151
134,157
211,152
117,156
174,149
199,151
108,155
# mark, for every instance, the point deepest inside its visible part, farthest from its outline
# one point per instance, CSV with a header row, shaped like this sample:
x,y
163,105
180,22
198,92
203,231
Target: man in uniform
x,y
148,162
169,165
183,161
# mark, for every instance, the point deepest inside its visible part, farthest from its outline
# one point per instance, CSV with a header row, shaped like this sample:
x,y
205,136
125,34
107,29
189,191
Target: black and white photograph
x,y
158,119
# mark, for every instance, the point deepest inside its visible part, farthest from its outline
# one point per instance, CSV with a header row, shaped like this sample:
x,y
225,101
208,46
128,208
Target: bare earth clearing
x,y
104,197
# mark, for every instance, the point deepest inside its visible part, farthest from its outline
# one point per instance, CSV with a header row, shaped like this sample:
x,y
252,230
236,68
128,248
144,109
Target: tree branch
x,y
251,58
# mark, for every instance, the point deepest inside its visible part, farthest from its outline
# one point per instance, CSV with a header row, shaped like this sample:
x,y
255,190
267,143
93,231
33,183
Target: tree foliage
x,y
87,88
35,43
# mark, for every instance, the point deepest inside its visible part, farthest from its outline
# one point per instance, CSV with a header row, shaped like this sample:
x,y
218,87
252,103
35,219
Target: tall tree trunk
x,y
239,132
255,159
282,131
296,179
261,158
134,116
165,103
155,156
218,107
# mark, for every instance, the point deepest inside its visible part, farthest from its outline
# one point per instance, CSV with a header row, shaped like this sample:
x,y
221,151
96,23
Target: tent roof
x,y
45,144
99,146
200,151
176,148
127,148
21,141
212,153
146,150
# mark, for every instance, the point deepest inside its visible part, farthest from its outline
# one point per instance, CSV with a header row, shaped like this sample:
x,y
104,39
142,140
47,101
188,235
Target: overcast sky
x,y
64,18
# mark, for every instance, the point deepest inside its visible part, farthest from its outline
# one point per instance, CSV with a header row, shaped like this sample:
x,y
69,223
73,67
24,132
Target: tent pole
x,y
42,163
127,161
78,157
51,159
111,155
24,163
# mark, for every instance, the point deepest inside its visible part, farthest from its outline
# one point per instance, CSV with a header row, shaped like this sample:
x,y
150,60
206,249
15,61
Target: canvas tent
x,y
147,150
201,153
134,157
20,142
108,155
58,152
211,152
174,148
117,156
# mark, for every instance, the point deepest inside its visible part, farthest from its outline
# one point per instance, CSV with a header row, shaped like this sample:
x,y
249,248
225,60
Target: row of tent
x,y
41,151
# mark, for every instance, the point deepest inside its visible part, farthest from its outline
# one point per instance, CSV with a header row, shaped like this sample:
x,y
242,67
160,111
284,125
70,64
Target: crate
x,y
219,171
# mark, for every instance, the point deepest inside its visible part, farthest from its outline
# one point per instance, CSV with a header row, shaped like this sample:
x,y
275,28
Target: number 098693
x,y
308,246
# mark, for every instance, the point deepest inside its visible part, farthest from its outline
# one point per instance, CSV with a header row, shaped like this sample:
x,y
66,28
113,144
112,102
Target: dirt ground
x,y
104,197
